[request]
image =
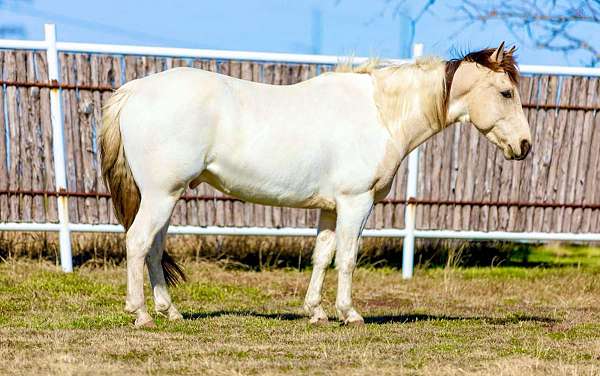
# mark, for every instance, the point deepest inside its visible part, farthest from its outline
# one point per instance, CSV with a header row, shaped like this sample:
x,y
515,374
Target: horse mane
x,y
508,64
367,67
392,83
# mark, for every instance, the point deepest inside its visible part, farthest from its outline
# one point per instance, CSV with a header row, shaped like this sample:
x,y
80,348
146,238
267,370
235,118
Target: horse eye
x,y
506,93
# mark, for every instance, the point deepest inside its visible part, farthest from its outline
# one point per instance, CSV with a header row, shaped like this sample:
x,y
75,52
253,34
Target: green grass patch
x,y
565,255
467,319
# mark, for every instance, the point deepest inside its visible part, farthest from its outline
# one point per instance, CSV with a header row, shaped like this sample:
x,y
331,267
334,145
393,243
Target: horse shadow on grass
x,y
376,319
415,317
242,313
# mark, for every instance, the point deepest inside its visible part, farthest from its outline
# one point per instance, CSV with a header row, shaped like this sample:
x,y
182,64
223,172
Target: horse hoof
x,y
354,321
175,316
351,318
319,321
360,322
148,325
144,321
171,314
145,325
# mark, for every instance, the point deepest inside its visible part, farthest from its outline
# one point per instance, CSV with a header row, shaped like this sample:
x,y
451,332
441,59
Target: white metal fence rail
x,y
409,233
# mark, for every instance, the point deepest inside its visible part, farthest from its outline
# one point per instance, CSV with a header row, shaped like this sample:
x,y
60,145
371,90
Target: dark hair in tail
x,y
173,272
118,177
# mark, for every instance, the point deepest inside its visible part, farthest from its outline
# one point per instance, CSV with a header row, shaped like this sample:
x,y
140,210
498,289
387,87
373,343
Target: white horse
x,y
333,142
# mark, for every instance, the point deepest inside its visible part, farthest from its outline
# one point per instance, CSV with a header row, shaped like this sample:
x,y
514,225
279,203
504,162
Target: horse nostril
x,y
525,148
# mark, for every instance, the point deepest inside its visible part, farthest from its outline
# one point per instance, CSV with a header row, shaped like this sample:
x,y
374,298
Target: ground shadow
x,y
410,318
376,319
277,316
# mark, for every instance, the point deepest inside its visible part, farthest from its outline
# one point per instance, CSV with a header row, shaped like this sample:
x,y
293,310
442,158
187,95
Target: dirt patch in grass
x,y
509,321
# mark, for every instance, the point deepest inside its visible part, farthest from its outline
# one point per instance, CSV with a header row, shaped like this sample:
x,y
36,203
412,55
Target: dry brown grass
x,y
500,321
257,252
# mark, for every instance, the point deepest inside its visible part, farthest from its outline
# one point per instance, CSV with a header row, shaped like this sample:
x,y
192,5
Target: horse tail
x,y
116,172
119,179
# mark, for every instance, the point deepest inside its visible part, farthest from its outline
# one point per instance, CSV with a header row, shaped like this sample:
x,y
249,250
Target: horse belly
x,y
290,190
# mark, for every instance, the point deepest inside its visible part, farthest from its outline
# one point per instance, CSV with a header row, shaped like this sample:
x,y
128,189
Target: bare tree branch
x,y
398,8
563,26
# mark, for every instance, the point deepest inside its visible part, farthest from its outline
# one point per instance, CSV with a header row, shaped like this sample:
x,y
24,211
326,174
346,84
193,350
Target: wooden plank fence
x,y
464,183
25,140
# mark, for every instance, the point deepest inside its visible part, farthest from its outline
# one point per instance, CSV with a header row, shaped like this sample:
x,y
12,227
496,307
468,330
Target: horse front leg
x,y
322,256
352,214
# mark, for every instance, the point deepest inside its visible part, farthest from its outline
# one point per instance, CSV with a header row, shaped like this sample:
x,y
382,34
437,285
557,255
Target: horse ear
x,y
512,50
498,55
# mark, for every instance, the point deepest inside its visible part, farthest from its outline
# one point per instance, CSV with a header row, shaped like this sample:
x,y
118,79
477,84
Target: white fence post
x,y
410,212
58,150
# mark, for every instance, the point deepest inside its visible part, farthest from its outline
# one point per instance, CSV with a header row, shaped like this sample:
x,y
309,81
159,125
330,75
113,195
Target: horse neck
x,y
411,104
416,134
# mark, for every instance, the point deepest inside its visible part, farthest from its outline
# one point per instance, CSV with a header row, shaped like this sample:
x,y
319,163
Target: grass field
x,y
500,320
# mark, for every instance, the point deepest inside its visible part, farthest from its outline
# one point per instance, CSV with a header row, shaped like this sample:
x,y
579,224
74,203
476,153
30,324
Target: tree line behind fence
x,y
464,183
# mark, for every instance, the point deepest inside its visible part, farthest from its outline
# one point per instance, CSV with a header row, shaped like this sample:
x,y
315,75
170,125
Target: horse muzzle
x,y
525,149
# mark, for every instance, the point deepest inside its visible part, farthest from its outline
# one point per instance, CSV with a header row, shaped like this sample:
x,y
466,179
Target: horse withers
x,y
333,142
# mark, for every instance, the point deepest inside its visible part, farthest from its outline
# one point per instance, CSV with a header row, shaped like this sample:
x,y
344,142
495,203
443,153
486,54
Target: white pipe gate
x,y
409,233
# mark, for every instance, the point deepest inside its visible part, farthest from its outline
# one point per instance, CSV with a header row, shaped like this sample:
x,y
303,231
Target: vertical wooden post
x,y
58,150
410,211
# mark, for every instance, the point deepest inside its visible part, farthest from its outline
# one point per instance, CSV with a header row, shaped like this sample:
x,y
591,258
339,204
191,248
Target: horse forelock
x,y
508,65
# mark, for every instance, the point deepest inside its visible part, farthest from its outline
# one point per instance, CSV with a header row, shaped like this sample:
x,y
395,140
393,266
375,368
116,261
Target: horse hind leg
x,y
153,214
162,300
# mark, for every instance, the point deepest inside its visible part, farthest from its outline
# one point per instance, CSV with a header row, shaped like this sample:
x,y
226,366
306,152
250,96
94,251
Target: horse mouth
x,y
525,149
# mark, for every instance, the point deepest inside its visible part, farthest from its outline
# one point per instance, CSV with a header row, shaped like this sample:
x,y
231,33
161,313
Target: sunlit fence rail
x,y
456,185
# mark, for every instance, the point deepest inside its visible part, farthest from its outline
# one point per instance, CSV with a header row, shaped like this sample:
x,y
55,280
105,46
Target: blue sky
x,y
338,27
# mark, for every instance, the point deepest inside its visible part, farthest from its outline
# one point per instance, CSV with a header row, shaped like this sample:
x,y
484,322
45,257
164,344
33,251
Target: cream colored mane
x,y
347,66
407,90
